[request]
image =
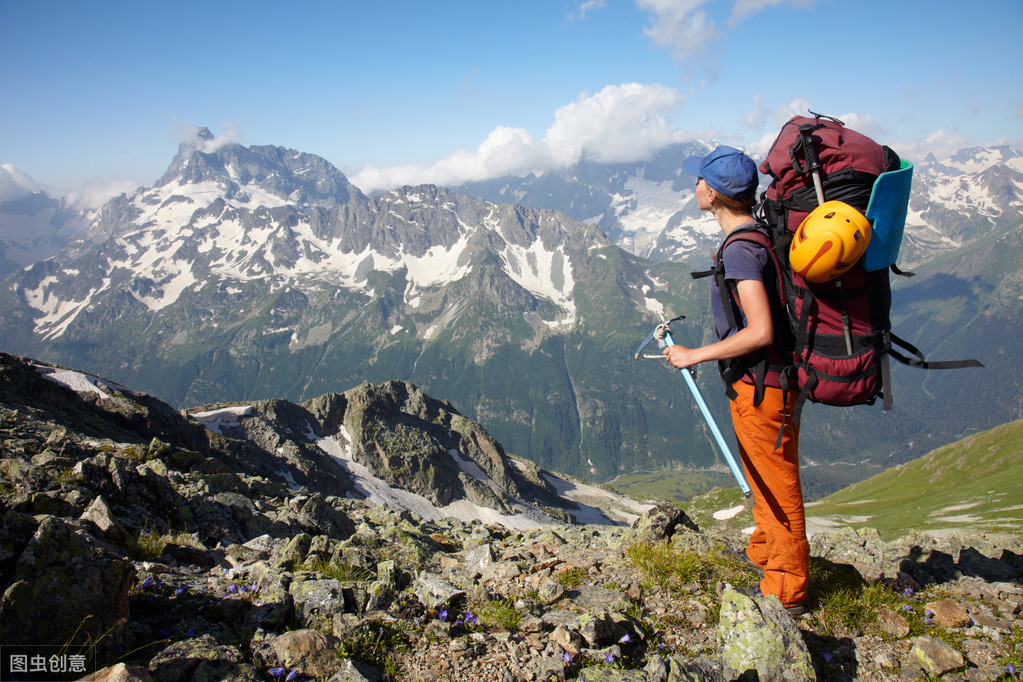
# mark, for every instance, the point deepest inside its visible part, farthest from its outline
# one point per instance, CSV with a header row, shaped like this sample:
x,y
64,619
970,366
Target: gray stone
x,y
436,593
757,634
935,656
310,652
316,601
478,558
99,513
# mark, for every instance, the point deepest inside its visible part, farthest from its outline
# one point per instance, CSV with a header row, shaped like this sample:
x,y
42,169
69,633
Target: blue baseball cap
x,y
727,170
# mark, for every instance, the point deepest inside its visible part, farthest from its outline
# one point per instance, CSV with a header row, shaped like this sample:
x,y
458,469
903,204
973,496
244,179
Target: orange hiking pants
x,y
778,544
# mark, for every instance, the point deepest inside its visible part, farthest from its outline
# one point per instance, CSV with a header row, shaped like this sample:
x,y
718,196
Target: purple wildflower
x,y
827,656
148,582
907,607
929,613
1011,669
232,588
276,672
471,619
928,620
180,591
908,592
292,675
443,615
626,639
609,658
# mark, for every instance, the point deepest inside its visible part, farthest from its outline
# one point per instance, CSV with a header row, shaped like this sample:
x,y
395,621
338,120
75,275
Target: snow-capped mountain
x,y
255,272
649,208
248,272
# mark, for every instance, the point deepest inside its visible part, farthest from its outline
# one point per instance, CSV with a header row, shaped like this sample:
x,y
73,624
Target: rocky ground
x,y
132,549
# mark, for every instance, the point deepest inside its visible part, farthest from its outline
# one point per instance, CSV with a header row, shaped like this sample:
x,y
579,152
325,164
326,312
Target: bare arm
x,y
758,332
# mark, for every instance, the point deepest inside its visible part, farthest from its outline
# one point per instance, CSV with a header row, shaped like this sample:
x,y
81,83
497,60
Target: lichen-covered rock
x,y
659,524
935,656
757,634
82,590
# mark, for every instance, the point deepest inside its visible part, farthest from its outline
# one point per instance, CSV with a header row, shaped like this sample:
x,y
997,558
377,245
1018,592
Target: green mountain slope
x,y
975,483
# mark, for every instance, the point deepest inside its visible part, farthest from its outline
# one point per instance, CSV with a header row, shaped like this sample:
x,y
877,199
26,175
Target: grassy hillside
x,y
975,483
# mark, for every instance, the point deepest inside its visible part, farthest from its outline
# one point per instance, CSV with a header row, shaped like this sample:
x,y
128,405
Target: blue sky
x,y
99,94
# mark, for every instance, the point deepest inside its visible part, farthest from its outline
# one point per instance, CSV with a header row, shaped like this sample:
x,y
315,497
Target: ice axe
x,y
812,167
662,332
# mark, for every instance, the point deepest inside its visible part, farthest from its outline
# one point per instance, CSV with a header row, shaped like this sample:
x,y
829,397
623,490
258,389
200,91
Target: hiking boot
x,y
740,557
755,592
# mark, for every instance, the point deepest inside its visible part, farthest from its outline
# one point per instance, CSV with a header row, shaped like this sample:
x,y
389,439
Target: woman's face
x,y
702,195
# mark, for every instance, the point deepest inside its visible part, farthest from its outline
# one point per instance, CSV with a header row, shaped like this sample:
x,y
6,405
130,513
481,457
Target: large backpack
x,y
840,330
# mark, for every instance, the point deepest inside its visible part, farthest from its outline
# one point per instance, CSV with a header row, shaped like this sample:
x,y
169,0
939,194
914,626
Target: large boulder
x,y
62,572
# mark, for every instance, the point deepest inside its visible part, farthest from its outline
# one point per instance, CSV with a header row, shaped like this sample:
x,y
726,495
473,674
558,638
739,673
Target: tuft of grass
x,y
572,577
377,643
849,610
147,546
667,567
341,572
671,567
501,613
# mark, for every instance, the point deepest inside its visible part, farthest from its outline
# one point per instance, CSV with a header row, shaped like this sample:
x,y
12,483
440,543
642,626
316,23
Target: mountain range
x,y
258,272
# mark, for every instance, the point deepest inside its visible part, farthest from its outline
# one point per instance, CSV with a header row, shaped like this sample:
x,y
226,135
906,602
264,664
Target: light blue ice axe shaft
x,y
709,418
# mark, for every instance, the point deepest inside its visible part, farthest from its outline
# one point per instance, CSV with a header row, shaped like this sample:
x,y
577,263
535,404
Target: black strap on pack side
x,y
921,363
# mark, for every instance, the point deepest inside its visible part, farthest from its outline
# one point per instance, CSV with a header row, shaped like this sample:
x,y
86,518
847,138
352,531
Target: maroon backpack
x,y
841,331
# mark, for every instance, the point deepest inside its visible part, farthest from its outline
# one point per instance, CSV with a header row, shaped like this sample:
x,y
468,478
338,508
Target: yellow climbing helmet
x,y
828,242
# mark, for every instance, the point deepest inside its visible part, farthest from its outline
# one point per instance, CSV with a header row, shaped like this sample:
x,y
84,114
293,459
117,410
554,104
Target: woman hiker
x,y
750,323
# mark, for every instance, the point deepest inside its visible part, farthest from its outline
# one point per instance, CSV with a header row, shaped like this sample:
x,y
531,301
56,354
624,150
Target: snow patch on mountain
x,y
644,211
544,273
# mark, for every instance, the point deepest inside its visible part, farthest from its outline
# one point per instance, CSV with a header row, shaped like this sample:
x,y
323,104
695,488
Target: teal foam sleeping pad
x,y
889,204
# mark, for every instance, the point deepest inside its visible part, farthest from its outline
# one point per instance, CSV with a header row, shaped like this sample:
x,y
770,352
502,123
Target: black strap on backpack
x,y
733,370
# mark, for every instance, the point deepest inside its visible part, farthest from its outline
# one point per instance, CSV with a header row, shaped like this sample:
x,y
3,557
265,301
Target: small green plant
x,y
1013,663
501,613
572,577
67,477
341,572
851,610
375,642
668,567
147,546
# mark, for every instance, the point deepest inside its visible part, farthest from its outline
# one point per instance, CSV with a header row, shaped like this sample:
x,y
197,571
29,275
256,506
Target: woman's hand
x,y
680,357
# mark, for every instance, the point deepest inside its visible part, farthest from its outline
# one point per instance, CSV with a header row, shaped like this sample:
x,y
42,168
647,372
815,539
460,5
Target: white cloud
x,y
584,7
681,26
618,124
189,136
744,9
758,117
941,143
15,184
94,195
796,107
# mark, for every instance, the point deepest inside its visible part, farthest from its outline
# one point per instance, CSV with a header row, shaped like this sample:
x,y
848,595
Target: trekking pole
x,y
813,162
662,332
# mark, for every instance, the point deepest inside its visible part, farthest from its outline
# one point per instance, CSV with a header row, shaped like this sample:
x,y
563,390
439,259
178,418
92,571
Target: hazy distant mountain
x,y
258,272
33,224
648,208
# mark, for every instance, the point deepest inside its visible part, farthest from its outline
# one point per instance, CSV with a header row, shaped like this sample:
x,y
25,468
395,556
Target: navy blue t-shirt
x,y
742,260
